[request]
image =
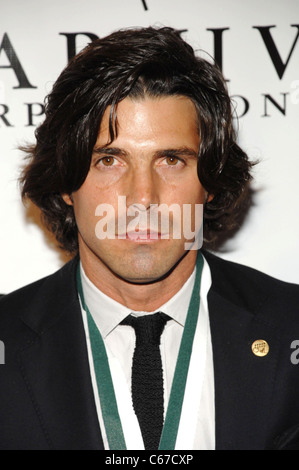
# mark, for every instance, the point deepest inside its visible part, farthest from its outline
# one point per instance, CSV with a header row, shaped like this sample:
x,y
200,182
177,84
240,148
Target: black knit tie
x,y
147,376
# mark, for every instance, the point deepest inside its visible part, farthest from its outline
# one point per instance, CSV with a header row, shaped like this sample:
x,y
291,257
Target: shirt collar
x,y
108,313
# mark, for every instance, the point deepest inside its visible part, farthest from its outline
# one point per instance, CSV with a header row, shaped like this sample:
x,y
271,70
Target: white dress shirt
x,y
197,424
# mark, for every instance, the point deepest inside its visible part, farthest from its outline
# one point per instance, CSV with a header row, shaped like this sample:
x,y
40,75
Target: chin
x,y
143,264
139,276
145,274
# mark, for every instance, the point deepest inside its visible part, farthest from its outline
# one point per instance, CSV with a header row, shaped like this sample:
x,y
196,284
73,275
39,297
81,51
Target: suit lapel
x,y
55,366
243,381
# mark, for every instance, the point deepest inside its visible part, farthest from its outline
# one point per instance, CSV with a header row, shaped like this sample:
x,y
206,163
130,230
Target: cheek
x,y
90,204
85,203
191,193
105,178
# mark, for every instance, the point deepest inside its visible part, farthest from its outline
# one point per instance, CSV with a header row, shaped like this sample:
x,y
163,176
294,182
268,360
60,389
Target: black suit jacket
x,y
46,396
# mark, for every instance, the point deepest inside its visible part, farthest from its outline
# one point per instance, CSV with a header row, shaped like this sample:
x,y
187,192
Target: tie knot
x,y
148,328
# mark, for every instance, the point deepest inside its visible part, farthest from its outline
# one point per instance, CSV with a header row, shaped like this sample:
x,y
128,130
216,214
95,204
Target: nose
x,y
143,188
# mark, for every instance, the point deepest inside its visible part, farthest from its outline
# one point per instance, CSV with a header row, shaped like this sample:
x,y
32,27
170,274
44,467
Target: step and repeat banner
x,y
256,44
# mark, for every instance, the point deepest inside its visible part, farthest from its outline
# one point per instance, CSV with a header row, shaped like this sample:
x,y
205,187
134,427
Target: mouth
x,y
143,236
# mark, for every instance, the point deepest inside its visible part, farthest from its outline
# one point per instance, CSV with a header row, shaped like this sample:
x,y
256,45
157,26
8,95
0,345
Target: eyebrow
x,y
98,151
169,152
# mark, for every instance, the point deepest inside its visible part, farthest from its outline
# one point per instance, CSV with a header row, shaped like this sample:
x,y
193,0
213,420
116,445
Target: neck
x,y
139,297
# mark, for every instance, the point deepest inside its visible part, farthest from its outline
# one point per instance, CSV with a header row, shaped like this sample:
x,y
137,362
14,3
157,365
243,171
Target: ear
x,y
67,199
209,197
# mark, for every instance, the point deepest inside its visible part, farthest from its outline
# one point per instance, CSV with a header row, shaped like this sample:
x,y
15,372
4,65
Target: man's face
x,y
152,161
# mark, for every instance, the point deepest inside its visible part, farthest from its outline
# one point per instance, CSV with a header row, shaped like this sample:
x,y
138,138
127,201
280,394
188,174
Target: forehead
x,y
147,119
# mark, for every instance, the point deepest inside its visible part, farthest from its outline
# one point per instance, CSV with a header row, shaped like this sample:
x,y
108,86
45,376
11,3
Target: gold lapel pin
x,y
260,347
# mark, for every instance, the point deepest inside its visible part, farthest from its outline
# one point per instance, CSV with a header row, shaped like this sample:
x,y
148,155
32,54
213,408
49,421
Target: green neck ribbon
x,y
106,392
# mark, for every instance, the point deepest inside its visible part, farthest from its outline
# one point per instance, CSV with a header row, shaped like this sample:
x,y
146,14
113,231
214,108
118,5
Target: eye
x,y
107,161
172,161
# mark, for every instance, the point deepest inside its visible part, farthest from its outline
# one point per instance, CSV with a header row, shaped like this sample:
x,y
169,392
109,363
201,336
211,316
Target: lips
x,y
142,236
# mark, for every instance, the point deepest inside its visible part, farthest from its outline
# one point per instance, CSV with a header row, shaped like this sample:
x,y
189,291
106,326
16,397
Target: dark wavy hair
x,y
139,62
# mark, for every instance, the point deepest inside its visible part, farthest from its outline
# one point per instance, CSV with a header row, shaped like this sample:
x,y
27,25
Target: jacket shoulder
x,y
34,296
246,285
232,269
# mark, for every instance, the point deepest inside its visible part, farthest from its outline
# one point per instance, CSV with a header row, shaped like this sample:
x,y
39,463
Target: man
x,y
136,123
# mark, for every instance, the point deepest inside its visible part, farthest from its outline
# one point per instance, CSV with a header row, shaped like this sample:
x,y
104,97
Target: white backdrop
x,y
258,43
